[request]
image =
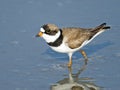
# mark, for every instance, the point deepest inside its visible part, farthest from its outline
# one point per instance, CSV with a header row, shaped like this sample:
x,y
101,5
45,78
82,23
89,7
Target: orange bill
x,y
39,34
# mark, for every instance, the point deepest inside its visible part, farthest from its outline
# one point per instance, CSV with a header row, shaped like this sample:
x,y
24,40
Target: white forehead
x,y
42,30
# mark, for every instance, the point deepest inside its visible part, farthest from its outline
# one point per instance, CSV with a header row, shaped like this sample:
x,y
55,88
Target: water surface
x,y
27,63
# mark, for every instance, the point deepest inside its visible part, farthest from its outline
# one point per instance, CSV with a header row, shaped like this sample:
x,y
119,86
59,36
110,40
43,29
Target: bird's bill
x,y
39,34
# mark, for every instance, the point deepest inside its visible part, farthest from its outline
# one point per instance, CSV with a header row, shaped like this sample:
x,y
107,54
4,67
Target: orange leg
x,y
84,55
69,63
70,59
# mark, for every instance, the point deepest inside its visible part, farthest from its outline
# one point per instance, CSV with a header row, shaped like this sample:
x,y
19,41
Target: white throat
x,y
51,38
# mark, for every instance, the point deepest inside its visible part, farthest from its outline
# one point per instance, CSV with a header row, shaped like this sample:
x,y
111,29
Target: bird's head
x,y
49,32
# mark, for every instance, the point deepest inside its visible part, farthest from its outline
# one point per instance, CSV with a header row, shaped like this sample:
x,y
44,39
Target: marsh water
x,y
27,63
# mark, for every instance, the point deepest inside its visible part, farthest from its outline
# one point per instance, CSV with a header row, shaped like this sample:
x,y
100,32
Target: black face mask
x,y
48,31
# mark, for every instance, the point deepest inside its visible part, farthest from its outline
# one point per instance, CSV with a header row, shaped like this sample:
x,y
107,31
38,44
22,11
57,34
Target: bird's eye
x,y
48,31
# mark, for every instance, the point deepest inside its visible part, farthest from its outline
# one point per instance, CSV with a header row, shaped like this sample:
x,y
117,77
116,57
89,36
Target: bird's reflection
x,y
73,82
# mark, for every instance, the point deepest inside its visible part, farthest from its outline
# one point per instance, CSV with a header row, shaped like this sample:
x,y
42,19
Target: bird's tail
x,y
100,28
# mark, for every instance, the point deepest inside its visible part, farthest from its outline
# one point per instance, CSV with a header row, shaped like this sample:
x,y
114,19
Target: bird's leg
x,y
71,80
70,60
84,55
70,63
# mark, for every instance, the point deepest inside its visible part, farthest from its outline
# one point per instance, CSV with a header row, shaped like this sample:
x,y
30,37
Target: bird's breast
x,y
63,48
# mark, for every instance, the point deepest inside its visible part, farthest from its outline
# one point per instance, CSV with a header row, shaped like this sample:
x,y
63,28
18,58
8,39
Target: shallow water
x,y
27,63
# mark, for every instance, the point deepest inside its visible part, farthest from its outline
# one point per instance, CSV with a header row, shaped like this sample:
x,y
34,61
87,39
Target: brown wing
x,y
75,36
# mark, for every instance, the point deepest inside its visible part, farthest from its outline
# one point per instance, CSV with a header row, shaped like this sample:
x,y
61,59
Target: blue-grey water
x,y
27,63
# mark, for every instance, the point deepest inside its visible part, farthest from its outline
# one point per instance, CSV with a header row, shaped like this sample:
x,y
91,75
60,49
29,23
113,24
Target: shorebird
x,y
70,39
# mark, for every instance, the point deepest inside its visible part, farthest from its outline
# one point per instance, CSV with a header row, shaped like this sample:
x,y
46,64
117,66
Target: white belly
x,y
63,48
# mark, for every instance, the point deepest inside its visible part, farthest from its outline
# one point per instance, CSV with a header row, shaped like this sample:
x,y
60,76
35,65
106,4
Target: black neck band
x,y
58,41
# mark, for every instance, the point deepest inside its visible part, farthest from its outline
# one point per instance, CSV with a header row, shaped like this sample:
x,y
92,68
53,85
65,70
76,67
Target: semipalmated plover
x,y
70,39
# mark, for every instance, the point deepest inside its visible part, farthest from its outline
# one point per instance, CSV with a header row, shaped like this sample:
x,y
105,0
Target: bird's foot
x,y
84,55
